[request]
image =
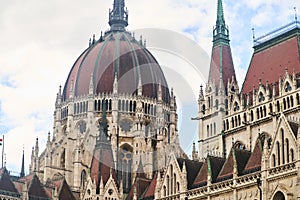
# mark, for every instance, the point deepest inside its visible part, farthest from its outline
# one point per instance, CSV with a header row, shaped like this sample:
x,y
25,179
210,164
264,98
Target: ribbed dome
x,y
117,53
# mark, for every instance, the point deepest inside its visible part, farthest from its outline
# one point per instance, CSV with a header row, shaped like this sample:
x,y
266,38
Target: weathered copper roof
x,y
116,53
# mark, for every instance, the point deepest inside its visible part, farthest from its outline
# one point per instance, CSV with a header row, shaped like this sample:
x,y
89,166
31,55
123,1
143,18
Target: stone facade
x,y
248,139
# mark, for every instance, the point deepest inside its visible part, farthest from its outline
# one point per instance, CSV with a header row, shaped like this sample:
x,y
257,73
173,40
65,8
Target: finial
x,y
145,43
253,34
101,37
141,40
296,18
90,42
94,40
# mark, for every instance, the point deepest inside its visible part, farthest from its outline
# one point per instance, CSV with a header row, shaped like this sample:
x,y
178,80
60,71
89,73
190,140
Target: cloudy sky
x,y
40,41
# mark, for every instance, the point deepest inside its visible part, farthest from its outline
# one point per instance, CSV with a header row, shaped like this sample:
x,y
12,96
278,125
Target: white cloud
x,y
40,41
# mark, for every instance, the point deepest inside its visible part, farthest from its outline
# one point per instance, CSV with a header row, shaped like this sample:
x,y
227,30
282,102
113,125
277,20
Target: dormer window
x,y
261,97
288,87
236,107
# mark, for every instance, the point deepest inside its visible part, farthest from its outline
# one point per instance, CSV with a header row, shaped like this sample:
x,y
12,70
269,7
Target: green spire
x,y
221,32
220,13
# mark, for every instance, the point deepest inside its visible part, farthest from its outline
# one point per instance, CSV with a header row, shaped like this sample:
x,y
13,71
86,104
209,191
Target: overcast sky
x,y
40,41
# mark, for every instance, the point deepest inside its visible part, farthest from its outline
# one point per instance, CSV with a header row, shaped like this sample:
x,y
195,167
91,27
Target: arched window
x,y
261,97
284,104
257,113
245,117
215,127
278,106
278,153
292,101
168,185
125,164
274,160
287,150
279,196
270,107
217,104
227,124
288,87
236,107
83,179
292,155
265,111
207,130
175,181
298,98
165,191
203,109
282,143
178,187
63,159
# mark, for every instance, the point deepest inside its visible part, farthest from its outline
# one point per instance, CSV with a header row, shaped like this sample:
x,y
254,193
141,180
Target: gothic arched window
x,y
288,87
261,97
83,179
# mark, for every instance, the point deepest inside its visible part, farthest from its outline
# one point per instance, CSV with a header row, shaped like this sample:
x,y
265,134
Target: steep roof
x,y
150,192
65,191
271,58
36,188
254,162
238,156
6,183
192,168
212,167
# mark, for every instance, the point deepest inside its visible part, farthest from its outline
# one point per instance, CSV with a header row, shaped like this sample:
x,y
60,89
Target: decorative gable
x,y
284,144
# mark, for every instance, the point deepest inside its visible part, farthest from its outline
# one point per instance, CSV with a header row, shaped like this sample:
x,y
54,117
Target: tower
x,y
220,89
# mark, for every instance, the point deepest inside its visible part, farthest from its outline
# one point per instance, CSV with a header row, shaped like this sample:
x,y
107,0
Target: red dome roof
x,y
117,53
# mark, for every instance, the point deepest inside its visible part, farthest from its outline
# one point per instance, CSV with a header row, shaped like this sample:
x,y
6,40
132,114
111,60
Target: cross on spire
x,y
118,16
221,32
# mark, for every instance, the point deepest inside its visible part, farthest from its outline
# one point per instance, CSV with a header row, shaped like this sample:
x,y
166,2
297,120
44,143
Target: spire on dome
x,y
221,32
118,16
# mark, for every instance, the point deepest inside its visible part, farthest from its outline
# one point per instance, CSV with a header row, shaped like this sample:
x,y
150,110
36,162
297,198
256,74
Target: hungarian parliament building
x,y
115,133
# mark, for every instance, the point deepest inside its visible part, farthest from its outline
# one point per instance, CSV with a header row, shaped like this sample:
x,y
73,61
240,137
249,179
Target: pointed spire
x,y
220,13
140,170
22,173
118,16
37,147
221,32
